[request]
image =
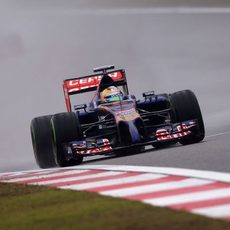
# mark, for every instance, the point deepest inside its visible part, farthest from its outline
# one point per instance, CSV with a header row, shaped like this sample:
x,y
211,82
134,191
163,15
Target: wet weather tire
x,y
65,128
186,107
41,135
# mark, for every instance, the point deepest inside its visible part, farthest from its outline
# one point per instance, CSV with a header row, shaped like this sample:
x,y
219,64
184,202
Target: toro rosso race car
x,y
114,121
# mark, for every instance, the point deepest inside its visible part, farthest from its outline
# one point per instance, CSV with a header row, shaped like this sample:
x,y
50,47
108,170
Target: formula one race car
x,y
114,121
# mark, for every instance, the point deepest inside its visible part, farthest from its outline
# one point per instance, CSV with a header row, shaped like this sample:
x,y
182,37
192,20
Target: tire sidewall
x,y
186,107
41,135
65,128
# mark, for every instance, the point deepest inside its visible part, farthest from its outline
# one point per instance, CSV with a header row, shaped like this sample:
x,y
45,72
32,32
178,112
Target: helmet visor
x,y
113,98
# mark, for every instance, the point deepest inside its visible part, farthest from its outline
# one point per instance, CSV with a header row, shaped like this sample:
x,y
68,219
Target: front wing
x,y
103,146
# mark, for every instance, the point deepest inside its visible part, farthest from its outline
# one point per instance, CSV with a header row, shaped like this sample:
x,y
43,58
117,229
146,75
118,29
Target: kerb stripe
x,y
138,183
201,204
172,192
102,178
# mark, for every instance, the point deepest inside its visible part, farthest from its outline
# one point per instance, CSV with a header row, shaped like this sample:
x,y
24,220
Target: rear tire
x,y
186,107
65,128
41,135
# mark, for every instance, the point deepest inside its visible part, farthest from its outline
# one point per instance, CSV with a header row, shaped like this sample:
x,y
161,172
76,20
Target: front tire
x,y
65,128
41,135
186,107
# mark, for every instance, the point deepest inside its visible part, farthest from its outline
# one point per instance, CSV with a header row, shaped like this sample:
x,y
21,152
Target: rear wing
x,y
89,83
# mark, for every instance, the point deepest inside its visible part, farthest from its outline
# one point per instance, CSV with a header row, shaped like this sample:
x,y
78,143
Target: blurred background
x,y
164,46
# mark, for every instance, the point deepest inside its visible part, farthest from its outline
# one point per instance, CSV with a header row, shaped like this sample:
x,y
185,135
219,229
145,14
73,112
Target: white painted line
x,y
97,175
216,212
218,134
155,187
191,197
144,177
144,11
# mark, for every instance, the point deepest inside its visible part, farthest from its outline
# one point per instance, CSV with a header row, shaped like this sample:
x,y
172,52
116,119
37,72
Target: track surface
x,y
212,154
40,45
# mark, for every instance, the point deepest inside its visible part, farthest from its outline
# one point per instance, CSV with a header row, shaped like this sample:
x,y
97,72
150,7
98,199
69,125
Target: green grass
x,y
32,207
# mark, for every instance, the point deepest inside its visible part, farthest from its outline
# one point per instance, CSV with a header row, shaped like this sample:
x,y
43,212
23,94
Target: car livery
x,y
119,127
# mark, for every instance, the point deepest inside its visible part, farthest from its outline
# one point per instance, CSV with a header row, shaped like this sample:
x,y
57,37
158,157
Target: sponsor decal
x,y
80,145
89,82
95,150
163,134
83,147
173,136
126,115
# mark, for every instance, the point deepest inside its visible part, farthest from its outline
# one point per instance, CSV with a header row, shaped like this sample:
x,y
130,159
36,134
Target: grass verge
x,y
33,207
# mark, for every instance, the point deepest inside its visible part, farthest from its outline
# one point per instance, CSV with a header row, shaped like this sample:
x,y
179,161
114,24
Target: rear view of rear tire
x,y
187,107
65,128
41,135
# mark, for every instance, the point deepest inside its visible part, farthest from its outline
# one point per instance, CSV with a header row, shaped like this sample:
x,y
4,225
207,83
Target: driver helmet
x,y
111,94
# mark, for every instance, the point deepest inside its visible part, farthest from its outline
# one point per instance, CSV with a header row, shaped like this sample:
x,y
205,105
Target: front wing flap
x,y
174,131
90,147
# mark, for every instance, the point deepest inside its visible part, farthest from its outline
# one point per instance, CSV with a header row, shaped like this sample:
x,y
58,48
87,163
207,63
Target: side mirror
x,y
148,94
79,107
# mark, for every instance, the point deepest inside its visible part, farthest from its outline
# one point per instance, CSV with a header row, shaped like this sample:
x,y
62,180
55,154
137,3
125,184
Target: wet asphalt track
x,y
40,46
